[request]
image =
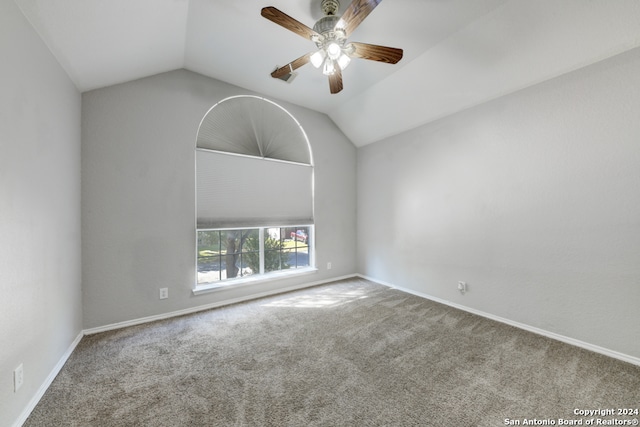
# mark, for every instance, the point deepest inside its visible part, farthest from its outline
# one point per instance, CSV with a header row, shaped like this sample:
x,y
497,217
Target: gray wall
x,y
40,307
138,201
533,199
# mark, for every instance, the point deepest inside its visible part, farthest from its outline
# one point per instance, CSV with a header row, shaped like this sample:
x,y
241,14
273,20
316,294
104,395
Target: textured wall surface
x,y
138,196
40,307
532,199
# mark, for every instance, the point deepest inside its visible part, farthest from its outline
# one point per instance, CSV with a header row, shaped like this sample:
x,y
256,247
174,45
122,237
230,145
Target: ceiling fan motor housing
x,y
326,26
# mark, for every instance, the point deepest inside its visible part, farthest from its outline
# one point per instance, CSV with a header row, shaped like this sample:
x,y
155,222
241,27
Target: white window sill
x,y
252,280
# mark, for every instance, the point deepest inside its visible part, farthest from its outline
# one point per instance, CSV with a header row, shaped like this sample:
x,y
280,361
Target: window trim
x,y
252,280
260,277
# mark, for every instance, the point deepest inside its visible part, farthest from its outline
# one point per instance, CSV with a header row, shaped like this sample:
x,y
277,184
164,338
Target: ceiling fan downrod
x,y
330,7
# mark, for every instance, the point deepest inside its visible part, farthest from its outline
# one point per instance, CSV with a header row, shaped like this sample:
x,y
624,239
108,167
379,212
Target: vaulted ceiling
x,y
457,53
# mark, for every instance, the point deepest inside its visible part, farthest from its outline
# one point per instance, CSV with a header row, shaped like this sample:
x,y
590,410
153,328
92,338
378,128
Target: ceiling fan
x,y
330,35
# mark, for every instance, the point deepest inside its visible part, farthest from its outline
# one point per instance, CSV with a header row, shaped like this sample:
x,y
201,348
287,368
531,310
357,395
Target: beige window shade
x,y
236,191
253,126
253,167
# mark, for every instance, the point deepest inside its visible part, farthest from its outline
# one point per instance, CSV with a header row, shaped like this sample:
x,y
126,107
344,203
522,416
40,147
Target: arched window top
x,y
254,126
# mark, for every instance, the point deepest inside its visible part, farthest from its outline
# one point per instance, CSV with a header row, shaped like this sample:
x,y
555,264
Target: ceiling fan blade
x,y
293,65
284,20
374,52
335,81
355,14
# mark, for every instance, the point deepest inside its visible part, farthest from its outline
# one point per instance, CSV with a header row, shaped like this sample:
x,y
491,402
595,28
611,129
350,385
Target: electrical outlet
x,y
329,266
18,378
164,293
462,287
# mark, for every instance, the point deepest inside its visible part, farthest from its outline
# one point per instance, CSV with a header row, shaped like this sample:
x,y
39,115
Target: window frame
x,y
261,276
208,140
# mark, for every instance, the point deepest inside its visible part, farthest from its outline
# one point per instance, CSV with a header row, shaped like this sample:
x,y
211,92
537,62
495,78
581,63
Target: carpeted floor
x,y
351,353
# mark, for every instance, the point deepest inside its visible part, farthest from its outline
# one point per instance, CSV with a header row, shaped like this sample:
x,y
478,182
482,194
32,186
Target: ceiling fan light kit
x,y
330,35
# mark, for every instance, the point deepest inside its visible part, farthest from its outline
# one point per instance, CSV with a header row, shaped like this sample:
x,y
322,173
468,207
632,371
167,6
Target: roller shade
x,y
239,191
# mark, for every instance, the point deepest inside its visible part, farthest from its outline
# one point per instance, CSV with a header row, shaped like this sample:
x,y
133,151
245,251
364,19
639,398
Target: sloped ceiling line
x,y
458,53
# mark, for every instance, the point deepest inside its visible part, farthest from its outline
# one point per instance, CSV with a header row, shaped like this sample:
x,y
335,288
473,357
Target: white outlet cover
x,y
462,287
18,378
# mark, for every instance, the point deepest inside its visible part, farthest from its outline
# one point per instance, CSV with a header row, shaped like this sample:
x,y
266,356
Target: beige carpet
x,y
351,353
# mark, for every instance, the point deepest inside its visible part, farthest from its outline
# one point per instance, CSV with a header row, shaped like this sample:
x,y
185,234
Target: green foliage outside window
x,y
275,256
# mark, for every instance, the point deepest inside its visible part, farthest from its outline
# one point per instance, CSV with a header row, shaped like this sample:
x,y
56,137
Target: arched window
x,y
254,192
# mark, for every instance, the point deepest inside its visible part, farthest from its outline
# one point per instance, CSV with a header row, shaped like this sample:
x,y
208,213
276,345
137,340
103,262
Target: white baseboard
x,y
568,340
47,382
171,314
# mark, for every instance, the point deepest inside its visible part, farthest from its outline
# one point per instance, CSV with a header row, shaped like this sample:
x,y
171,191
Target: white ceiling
x,y
457,53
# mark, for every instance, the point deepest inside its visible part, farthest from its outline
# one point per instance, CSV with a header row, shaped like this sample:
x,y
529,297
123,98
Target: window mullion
x,y
261,250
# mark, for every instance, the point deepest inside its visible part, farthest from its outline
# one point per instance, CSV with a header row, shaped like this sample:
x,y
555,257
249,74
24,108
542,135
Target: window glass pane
x,y
300,234
225,254
209,269
209,259
229,240
274,259
296,246
251,252
252,234
301,259
229,254
209,240
243,251
243,267
302,240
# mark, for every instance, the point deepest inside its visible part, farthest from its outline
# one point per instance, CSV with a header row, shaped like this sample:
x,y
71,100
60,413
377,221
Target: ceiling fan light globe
x,y
334,50
343,61
317,58
329,67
